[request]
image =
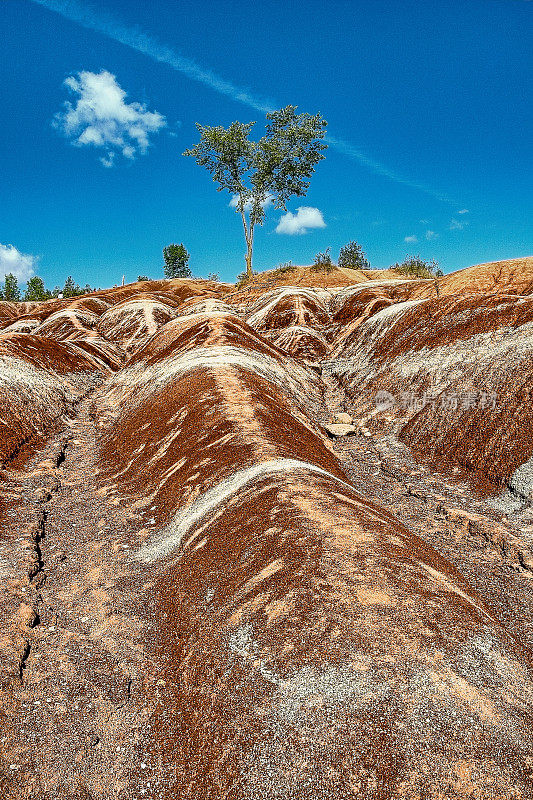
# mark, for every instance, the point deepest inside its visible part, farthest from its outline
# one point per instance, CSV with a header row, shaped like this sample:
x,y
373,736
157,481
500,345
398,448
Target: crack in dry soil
x,y
81,706
73,716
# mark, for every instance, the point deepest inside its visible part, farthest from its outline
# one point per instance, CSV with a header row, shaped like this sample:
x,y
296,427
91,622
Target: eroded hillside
x,y
273,542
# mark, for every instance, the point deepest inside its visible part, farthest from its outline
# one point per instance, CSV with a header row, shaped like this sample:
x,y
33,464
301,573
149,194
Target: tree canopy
x,y
271,170
35,290
176,261
352,256
11,291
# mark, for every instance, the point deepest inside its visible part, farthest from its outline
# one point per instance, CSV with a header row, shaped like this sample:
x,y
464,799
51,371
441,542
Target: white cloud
x,y
267,202
458,225
430,235
142,42
305,218
463,211
13,261
101,117
411,239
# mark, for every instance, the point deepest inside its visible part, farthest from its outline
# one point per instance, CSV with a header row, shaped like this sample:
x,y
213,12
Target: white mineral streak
x,y
145,379
346,292
134,320
261,309
186,519
22,326
17,375
78,318
209,306
482,349
304,330
356,357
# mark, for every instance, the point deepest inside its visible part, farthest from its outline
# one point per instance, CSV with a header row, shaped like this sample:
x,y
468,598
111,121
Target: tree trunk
x,y
248,259
249,236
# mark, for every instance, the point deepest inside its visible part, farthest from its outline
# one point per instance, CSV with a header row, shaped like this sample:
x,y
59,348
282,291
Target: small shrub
x,y
283,269
242,279
323,262
416,267
213,276
143,278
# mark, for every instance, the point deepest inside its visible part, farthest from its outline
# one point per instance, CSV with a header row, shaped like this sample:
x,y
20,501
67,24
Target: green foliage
x,y
416,267
11,291
243,278
439,273
351,256
143,278
71,289
213,276
283,269
176,261
273,169
35,290
323,262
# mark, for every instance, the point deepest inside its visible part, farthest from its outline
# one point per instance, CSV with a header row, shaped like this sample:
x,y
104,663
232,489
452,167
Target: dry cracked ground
x,y
269,543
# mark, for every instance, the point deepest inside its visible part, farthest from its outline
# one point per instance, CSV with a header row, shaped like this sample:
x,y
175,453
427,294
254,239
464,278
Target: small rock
x,y
342,418
42,496
336,429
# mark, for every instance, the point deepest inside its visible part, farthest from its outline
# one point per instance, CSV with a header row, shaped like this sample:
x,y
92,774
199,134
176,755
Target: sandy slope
x,y
205,596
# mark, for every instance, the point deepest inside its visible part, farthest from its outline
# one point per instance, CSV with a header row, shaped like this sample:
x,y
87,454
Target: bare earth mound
x,y
273,542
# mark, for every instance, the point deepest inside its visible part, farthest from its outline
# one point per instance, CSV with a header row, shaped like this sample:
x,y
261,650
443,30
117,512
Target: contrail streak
x,y
102,22
133,37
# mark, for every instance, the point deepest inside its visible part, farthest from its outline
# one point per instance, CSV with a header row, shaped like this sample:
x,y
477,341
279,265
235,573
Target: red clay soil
x,y
302,276
8,312
290,607
40,380
199,331
207,597
513,276
129,324
65,324
451,360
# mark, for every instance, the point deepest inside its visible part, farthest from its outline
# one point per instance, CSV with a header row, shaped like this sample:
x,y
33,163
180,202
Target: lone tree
x,y
351,256
11,291
271,170
176,261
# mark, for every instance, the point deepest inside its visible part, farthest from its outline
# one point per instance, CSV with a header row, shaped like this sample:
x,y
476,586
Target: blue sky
x,y
429,107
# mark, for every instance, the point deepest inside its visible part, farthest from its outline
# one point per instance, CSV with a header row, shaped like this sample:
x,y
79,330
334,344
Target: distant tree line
x,y
36,290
